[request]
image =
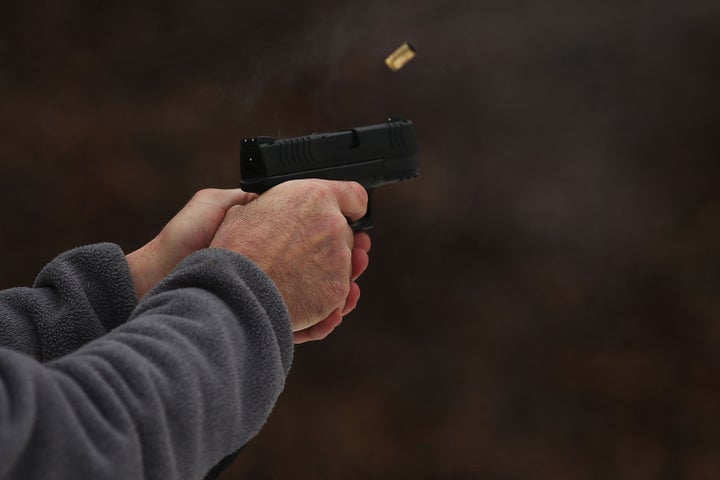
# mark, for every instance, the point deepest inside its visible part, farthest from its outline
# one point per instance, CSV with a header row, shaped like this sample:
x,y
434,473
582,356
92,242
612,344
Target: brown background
x,y
543,302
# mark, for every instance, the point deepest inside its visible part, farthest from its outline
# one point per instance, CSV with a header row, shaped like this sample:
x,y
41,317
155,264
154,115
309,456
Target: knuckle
x,y
321,191
337,225
339,288
309,191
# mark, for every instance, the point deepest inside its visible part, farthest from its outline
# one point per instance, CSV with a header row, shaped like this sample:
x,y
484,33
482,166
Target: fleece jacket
x,y
94,384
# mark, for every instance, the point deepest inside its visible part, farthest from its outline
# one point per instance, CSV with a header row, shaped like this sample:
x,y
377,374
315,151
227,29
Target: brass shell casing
x,y
403,54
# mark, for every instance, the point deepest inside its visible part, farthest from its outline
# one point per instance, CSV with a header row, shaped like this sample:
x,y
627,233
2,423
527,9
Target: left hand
x,y
190,230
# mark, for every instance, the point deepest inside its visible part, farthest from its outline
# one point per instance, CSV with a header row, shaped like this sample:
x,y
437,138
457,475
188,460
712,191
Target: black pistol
x,y
372,155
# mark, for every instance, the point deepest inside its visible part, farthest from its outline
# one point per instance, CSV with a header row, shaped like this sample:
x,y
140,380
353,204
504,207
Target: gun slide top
x,y
372,155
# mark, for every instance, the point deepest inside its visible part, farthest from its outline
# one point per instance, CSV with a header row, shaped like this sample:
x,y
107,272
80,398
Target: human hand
x,y
190,230
360,262
298,233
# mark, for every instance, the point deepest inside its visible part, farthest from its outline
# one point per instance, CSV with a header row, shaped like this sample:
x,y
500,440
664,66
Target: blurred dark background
x,y
543,302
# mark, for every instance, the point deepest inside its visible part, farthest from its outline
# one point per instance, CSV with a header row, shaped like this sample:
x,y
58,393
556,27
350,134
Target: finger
x,y
243,198
218,199
362,240
352,299
319,330
235,196
352,198
360,262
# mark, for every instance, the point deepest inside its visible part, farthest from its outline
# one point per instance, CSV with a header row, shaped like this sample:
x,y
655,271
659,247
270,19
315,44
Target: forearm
x,y
189,379
77,297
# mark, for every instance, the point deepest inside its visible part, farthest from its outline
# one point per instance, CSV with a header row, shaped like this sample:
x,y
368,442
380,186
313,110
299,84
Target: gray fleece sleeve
x,y
188,379
77,297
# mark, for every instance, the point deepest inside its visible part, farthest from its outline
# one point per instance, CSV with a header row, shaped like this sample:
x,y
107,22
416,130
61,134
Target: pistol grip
x,y
366,222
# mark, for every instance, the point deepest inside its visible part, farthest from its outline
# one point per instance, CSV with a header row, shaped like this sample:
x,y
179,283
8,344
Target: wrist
x,y
137,272
145,267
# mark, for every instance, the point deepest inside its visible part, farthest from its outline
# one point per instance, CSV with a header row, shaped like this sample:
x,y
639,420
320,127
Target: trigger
x,y
365,223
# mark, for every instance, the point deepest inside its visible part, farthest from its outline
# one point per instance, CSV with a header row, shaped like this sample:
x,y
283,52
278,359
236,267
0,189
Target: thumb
x,y
223,198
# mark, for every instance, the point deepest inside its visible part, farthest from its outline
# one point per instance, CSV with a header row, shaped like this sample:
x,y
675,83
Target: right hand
x,y
298,233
